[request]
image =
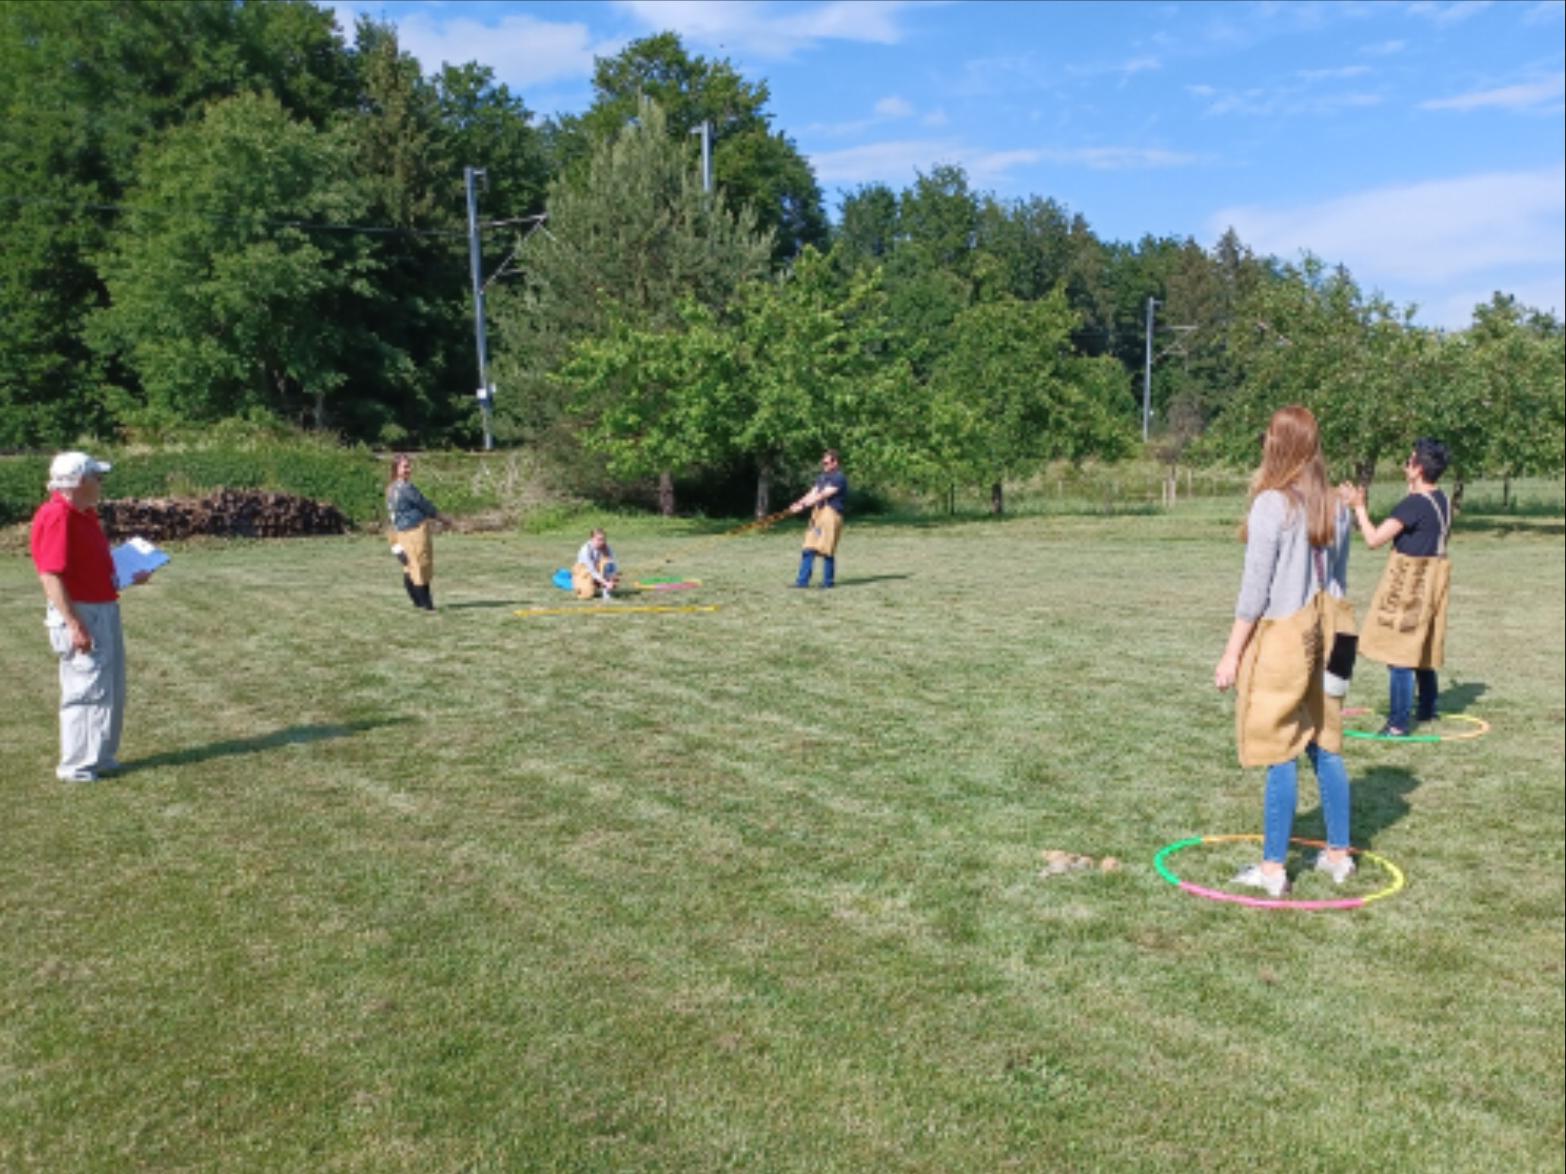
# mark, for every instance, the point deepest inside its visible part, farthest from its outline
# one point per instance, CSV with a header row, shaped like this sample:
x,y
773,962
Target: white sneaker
x,y
1339,871
1252,876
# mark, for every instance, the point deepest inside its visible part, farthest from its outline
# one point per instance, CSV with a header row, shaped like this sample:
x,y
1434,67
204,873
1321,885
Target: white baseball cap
x,y
67,470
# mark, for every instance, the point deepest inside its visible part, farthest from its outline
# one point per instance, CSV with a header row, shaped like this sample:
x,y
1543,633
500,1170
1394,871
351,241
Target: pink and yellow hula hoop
x,y
1392,870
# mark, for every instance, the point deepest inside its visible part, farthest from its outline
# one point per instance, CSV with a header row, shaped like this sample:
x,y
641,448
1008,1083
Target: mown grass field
x,y
764,888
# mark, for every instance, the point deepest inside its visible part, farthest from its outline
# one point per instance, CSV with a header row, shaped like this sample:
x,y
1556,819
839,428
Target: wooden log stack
x,y
228,513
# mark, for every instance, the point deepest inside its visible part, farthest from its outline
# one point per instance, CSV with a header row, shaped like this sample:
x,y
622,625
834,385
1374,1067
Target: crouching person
x,y
595,571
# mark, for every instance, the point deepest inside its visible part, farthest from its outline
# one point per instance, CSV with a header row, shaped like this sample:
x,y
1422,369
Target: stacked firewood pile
x,y
228,513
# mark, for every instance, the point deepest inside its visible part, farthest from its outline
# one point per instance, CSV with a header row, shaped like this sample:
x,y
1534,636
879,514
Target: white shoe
x,y
1253,876
1339,871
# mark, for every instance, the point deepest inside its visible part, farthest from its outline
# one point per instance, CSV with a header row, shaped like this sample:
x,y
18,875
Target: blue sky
x,y
1420,143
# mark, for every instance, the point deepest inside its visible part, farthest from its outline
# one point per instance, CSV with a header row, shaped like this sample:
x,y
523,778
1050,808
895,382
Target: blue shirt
x,y
834,479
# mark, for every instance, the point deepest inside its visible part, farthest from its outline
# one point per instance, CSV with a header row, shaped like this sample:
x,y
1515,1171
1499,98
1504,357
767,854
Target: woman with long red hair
x,y
1290,609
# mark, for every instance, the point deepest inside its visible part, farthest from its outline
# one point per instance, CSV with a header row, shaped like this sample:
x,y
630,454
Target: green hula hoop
x,y
1480,728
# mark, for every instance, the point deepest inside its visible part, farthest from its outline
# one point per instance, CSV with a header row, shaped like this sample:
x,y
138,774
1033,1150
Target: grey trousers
x,y
92,691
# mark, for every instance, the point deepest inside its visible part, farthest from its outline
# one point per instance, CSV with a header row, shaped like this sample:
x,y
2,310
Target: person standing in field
x,y
825,501
1406,629
76,568
595,570
410,514
1290,609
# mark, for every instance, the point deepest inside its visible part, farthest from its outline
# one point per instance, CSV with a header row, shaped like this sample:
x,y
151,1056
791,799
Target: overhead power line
x,y
301,225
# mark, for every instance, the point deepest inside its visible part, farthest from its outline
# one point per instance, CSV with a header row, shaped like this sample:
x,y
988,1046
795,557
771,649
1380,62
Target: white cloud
x,y
1124,70
1455,310
522,50
936,117
1383,48
1545,11
1441,230
1120,158
1332,74
994,77
888,109
896,161
1445,245
894,107
771,30
1527,96
1445,14
1259,102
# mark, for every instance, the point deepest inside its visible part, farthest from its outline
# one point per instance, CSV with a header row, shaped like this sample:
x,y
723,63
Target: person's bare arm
x,y
1228,668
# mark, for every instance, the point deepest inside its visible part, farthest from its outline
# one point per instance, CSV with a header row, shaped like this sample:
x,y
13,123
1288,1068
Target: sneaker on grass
x,y
1339,870
1252,876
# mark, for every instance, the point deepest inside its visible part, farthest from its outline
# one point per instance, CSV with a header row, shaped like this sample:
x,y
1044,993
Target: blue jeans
x,y
1400,703
1283,788
807,564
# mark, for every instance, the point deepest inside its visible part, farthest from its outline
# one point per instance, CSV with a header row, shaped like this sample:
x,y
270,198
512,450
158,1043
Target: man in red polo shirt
x,y
83,617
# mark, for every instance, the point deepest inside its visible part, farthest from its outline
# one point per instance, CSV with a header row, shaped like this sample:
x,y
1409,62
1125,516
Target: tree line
x,y
217,209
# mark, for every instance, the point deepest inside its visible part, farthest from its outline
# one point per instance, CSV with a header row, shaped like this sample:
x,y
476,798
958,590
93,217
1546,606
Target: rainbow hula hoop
x,y
1168,874
611,610
1480,729
665,584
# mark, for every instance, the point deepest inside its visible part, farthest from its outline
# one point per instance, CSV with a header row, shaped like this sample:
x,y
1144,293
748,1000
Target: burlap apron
x,y
1281,704
826,527
419,550
1407,623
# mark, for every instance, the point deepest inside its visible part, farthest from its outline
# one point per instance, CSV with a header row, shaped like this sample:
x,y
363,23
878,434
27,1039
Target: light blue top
x,y
1280,572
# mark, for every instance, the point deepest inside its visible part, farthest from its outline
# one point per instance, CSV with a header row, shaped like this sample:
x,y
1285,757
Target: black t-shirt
x,y
1422,524
840,482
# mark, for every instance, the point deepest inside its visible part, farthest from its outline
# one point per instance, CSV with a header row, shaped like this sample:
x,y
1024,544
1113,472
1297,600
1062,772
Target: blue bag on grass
x,y
562,579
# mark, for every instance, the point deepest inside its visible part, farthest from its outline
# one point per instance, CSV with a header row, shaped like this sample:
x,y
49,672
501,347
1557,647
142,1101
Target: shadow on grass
x,y
866,580
1453,698
291,736
475,604
1506,525
1457,698
1379,799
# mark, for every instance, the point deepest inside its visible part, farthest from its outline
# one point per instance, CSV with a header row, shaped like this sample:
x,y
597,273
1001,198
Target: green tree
x,y
223,299
797,365
659,399
628,239
817,369
411,137
868,229
83,86
1311,337
1012,394
755,165
1504,414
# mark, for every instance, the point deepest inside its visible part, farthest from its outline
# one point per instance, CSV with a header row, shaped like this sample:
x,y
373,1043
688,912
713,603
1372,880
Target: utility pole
x,y
705,131
486,390
1147,373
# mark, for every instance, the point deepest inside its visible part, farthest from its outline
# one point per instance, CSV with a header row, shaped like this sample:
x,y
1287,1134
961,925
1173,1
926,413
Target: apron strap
x,y
1446,522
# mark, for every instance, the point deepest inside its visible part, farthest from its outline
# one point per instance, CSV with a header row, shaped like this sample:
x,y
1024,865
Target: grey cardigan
x,y
1280,573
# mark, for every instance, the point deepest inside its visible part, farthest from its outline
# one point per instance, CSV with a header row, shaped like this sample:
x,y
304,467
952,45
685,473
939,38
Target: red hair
x,y
1292,464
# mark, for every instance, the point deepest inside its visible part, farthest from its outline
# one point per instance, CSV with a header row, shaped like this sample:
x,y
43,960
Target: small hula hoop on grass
x,y
666,584
613,610
1195,890
1479,730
